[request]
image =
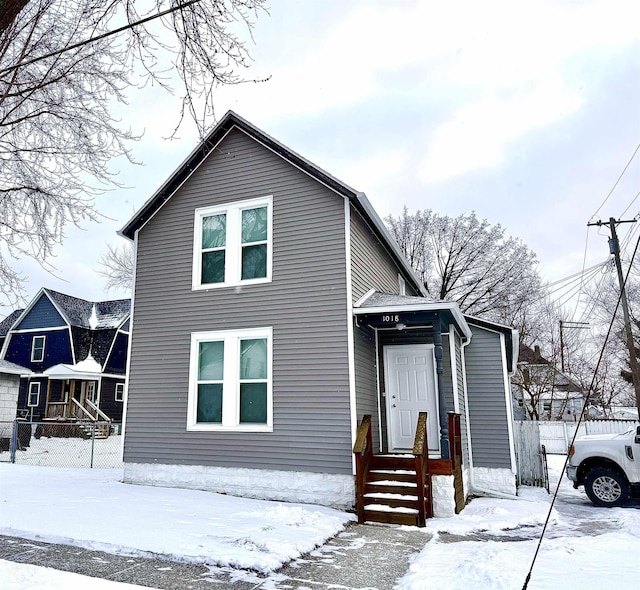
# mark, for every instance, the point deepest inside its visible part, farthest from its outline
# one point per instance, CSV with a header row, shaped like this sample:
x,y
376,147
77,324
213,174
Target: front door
x,y
410,384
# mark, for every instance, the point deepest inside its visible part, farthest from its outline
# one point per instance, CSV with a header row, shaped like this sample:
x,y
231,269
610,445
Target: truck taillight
x,y
571,450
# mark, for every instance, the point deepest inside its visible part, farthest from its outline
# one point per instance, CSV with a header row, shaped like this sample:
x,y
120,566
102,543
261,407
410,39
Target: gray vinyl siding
x,y
305,304
371,265
486,394
366,382
461,398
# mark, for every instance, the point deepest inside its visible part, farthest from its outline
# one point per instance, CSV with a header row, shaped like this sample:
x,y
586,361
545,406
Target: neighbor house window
x,y
37,349
232,244
119,392
230,380
34,395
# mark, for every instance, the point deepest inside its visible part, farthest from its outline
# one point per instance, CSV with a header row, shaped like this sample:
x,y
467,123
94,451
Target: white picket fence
x,y
557,436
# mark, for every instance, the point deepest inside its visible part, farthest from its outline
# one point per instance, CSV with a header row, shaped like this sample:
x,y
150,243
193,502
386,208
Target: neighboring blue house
x,y
283,347
74,353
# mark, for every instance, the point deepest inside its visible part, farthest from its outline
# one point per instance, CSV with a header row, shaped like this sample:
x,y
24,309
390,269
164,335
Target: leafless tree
x,y
469,261
58,131
117,266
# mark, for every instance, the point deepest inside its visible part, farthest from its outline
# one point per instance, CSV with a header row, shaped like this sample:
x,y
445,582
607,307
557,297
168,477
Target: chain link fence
x,y
60,444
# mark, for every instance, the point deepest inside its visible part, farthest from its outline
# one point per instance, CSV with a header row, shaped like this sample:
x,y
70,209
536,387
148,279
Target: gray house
x,y
283,348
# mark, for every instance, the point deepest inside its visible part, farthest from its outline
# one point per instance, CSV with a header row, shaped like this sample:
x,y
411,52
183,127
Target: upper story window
x,y
119,392
233,244
37,349
230,380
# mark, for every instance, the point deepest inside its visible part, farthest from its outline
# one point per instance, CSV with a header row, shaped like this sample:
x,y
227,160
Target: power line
x,y
617,181
100,37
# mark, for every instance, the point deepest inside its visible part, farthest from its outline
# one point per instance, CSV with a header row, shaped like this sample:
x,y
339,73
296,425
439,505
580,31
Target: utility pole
x,y
614,248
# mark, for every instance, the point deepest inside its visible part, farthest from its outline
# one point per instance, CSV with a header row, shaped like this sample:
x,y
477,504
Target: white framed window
x,y
233,244
230,381
119,392
34,394
37,349
91,391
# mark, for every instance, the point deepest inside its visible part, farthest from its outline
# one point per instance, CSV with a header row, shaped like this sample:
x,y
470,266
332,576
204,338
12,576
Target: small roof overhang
x,y
10,368
374,307
88,369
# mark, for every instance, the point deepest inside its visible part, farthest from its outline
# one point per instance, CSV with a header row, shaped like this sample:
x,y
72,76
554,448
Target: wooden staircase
x,y
397,488
391,491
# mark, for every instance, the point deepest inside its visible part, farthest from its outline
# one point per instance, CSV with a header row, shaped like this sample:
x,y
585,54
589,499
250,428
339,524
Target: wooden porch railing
x,y
363,450
423,477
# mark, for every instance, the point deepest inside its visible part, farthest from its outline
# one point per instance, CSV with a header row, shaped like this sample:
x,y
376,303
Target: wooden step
x,y
390,488
391,500
406,462
392,474
391,517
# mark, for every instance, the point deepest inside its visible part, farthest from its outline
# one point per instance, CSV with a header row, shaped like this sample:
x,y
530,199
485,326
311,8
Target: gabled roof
x,y
87,314
233,121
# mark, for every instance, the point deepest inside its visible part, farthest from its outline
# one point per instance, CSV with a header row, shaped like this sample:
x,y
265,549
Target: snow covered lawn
x,y
64,505
487,545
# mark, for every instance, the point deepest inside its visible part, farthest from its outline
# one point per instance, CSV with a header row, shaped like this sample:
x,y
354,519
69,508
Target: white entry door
x,y
410,383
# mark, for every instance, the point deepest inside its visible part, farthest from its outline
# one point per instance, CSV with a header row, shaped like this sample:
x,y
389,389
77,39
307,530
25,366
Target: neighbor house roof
x,y
7,323
233,121
12,368
87,314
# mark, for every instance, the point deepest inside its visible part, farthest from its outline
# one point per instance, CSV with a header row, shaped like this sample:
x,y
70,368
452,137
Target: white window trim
x,y
34,389
119,397
231,380
33,348
402,285
233,247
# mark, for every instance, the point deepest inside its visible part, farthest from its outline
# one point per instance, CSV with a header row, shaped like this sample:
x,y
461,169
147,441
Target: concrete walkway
x,y
362,557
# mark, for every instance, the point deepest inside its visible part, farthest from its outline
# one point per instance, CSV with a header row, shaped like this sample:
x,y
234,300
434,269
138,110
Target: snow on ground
x,y
489,545
58,505
584,546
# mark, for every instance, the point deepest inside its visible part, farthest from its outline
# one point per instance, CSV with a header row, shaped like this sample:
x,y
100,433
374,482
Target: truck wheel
x,y
606,487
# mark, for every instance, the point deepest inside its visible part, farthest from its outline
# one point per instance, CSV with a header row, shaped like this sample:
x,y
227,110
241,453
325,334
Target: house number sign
x,y
393,318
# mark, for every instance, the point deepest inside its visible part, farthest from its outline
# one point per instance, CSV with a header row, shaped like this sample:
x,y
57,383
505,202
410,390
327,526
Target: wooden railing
x,y
363,450
99,414
423,479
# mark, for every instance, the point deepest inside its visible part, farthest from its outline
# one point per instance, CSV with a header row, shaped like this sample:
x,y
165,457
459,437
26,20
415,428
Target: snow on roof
x,y
7,323
12,368
86,314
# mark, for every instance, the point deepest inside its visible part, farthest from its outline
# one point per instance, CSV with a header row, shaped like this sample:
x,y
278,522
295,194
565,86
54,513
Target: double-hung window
x,y
34,394
119,395
230,380
37,349
233,244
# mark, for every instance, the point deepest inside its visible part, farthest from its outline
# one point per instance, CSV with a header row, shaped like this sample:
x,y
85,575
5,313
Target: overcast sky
x,y
525,112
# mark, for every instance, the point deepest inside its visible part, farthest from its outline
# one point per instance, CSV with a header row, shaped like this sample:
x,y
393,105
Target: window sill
x,y
219,428
210,286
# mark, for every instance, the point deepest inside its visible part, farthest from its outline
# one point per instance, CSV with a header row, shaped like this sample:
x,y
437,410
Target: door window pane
x,y
211,361
214,231
253,403
209,402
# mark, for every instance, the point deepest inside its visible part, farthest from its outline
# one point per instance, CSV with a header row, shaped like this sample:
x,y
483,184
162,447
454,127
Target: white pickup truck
x,y
608,465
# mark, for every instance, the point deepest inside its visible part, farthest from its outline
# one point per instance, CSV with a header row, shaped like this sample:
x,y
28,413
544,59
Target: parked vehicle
x,y
608,466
